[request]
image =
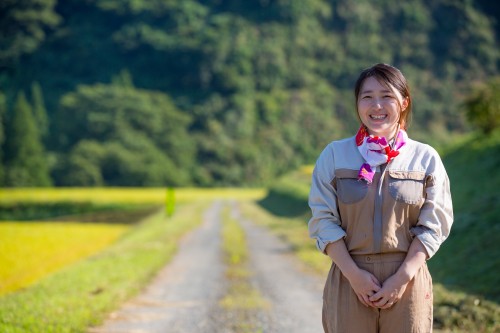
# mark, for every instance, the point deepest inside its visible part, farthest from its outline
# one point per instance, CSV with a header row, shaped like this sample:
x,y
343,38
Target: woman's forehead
x,y
372,83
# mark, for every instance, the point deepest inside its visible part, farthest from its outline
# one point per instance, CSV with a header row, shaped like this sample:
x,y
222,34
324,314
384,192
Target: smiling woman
x,y
380,222
30,251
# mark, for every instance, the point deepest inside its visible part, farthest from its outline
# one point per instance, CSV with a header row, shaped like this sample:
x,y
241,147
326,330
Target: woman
x,y
381,206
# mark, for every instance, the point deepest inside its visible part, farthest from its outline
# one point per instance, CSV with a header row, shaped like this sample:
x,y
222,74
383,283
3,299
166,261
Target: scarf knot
x,y
376,151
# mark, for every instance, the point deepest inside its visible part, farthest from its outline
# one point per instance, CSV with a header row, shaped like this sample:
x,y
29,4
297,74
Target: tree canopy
x,y
229,92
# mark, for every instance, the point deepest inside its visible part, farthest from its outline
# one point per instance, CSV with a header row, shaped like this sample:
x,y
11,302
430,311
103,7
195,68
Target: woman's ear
x,y
405,103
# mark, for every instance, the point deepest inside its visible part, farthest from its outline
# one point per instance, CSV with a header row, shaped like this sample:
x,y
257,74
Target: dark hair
x,y
388,76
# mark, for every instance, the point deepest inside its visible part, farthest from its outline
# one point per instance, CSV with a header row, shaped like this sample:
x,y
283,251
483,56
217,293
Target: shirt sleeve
x,y
324,225
436,214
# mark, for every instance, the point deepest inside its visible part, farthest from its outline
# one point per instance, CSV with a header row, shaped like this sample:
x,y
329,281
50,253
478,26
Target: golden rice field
x,y
30,251
125,194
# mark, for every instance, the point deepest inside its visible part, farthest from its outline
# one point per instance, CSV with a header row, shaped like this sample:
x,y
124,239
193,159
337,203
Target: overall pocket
x,y
349,189
407,186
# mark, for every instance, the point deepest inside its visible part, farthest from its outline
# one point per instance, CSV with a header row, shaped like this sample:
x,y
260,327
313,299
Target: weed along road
x,y
201,291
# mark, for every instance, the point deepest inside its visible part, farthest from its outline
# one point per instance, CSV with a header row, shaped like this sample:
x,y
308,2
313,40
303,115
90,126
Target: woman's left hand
x,y
392,290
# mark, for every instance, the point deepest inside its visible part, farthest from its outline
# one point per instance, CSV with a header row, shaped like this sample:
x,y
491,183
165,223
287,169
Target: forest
x,y
221,92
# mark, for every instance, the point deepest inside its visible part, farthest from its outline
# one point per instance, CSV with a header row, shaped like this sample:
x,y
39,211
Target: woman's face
x,y
379,107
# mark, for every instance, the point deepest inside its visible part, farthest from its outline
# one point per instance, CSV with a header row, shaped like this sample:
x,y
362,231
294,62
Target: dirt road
x,y
184,297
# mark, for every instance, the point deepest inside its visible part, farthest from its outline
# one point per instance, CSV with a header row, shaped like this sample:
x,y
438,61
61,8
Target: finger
x,y
364,300
360,298
387,305
376,282
376,297
380,303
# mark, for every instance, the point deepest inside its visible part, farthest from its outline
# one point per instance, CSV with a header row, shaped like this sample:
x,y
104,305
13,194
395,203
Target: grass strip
x,y
47,247
81,295
454,311
242,300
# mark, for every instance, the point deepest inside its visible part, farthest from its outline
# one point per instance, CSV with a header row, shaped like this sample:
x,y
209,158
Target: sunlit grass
x,y
124,195
29,251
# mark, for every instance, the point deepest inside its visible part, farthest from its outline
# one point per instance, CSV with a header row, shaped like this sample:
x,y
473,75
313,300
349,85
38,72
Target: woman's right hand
x,y
364,284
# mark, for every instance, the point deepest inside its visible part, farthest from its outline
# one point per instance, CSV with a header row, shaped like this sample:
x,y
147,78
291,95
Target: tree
x,y
137,137
39,110
3,112
23,24
483,106
27,163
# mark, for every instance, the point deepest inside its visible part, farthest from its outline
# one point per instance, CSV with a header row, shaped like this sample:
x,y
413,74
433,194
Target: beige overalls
x,y
408,198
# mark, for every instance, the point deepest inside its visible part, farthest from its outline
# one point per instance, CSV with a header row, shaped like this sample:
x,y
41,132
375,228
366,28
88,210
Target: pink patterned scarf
x,y
376,151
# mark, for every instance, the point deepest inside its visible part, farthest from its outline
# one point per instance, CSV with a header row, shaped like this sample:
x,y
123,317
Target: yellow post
x,y
170,201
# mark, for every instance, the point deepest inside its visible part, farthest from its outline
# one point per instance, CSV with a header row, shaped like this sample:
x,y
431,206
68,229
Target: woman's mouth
x,y
378,117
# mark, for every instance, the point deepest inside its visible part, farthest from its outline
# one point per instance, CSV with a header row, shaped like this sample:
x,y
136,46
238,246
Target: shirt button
x,y
368,258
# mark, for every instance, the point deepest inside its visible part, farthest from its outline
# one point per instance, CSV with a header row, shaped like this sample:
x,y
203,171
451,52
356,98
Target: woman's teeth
x,y
378,117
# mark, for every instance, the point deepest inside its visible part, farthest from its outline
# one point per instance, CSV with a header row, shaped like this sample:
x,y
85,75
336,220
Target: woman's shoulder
x,y
349,142
422,148
341,153
421,156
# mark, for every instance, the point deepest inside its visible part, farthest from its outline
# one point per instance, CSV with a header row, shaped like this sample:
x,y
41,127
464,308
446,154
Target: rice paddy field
x,y
30,251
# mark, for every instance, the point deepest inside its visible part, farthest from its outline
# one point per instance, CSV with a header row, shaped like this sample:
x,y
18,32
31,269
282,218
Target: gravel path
x,y
184,296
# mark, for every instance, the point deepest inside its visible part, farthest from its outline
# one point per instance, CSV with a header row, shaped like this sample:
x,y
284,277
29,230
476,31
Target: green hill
x,y
221,92
470,258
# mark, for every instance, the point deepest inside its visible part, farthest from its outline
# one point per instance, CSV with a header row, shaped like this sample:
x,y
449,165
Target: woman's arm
x,y
362,282
393,288
324,225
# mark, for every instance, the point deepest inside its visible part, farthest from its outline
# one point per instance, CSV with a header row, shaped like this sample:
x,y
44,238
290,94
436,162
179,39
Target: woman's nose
x,y
377,103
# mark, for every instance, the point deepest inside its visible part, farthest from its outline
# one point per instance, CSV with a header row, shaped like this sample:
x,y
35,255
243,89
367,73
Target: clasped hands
x,y
372,293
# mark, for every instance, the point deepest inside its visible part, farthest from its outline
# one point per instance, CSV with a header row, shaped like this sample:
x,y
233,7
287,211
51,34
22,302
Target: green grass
x,y
80,295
